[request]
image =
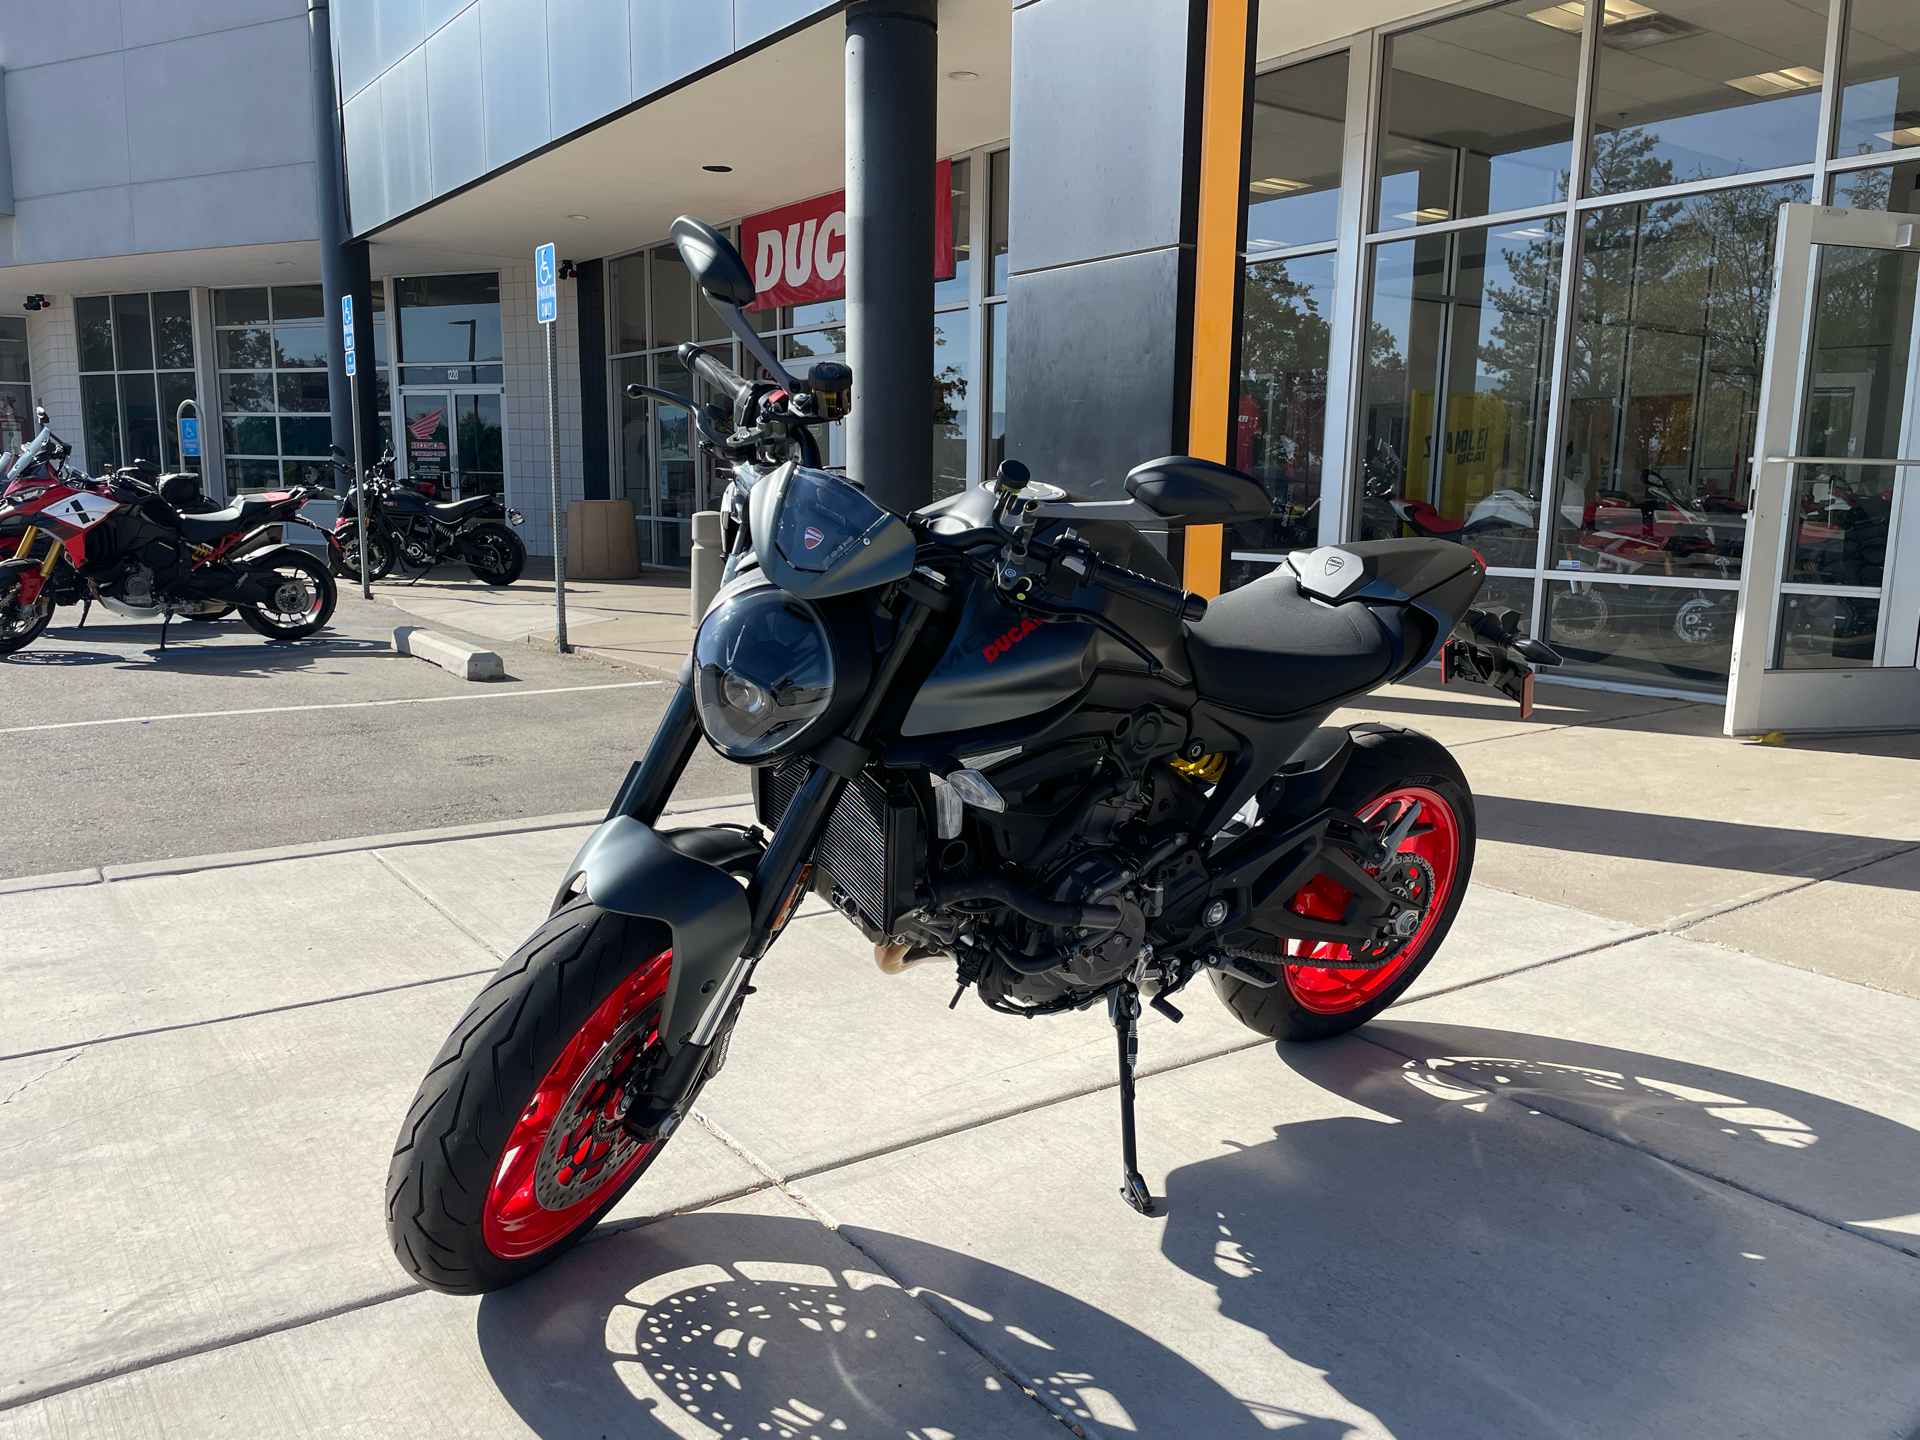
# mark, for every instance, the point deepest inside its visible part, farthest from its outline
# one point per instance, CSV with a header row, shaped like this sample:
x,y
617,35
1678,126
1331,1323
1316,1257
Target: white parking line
x,y
342,705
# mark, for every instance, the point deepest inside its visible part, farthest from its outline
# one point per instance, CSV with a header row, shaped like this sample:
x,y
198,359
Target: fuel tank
x,y
999,667
405,502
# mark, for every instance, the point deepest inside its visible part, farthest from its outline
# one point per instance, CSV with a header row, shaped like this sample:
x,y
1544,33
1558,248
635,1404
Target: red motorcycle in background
x,y
128,545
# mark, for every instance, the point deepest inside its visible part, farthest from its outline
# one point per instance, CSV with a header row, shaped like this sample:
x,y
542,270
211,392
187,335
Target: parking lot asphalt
x,y
116,751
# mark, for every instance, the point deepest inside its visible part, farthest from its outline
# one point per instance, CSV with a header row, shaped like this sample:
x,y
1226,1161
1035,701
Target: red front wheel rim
x,y
567,1153
1429,861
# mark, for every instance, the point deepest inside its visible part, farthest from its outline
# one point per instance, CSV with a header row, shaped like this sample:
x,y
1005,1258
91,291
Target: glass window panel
x,y
1457,377
995,317
677,474
1667,635
14,368
306,472
1699,88
246,349
298,302
628,279
449,319
1670,325
997,220
93,316
1280,417
253,474
1827,632
428,453
300,346
1884,187
240,307
175,386
244,392
252,436
1880,78
1477,116
1299,134
813,344
303,390
16,416
140,415
952,372
635,454
482,466
672,297
172,331
821,312
132,332
954,291
100,407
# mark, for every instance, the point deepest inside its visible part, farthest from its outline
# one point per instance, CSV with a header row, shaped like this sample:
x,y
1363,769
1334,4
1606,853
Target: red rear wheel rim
x,y
567,1152
1322,986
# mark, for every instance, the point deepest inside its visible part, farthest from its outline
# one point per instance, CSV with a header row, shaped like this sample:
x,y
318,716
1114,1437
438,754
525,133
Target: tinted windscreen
x,y
823,520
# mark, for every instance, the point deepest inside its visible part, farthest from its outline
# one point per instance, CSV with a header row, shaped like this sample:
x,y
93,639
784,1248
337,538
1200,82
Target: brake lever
x,y
1093,618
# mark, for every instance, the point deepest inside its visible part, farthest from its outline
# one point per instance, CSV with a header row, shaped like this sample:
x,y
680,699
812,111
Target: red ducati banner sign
x,y
799,252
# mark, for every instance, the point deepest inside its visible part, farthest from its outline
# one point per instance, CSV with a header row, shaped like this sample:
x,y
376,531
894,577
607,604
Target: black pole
x,y
892,65
343,263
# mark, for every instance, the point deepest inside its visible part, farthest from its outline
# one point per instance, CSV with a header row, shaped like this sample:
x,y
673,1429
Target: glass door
x,y
1829,614
454,441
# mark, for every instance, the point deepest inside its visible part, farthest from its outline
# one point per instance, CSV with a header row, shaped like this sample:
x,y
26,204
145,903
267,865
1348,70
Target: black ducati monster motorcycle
x,y
995,735
405,528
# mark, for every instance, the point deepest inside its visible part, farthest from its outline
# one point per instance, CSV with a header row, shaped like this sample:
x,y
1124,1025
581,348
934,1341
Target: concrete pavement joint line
x,y
338,705
1535,1106
1529,733
451,918
80,1045
1693,918
206,1347
912,1291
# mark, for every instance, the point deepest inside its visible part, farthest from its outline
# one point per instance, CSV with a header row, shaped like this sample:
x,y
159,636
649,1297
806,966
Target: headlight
x,y
768,673
24,497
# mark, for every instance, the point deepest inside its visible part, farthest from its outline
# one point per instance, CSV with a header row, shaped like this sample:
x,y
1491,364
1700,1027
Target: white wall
x,y
53,355
143,126
529,488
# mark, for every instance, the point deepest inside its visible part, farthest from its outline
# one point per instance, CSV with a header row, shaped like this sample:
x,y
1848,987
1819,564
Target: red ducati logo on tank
x,y
1012,638
812,536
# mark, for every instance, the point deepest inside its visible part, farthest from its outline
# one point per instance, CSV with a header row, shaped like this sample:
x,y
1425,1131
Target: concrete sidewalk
x,y
1595,1176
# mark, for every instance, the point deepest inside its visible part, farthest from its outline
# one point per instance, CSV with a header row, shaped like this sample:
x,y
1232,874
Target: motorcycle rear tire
x,y
1313,1002
504,541
262,623
456,1195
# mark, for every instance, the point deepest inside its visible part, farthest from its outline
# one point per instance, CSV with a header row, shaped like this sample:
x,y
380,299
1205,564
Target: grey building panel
x,y
249,207
455,116
438,12
41,33
81,226
366,153
756,19
356,45
403,119
513,79
255,116
672,38
154,22
588,68
398,28
69,126
1089,391
1098,80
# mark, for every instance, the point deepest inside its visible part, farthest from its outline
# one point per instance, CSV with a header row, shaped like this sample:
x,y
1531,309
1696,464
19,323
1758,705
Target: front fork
x,y
33,581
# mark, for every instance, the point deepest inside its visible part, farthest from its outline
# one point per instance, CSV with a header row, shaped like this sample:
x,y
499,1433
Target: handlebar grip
x,y
734,386
1148,591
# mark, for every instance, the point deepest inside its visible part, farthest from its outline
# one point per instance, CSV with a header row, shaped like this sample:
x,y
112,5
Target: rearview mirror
x,y
1188,490
716,266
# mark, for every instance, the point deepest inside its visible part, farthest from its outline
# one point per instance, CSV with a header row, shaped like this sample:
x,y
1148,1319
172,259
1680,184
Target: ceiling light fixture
x,y
1274,185
1900,139
963,75
718,169
579,217
1573,14
1426,214
1778,82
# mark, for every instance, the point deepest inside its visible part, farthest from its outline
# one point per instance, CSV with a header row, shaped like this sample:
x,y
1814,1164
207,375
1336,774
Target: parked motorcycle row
x,y
147,546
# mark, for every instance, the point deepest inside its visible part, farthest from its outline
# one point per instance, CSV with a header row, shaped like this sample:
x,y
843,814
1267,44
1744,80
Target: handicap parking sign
x,y
545,287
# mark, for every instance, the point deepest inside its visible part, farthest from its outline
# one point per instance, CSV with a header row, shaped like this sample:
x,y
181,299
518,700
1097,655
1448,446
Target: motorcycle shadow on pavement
x,y
728,1324
137,647
1463,1260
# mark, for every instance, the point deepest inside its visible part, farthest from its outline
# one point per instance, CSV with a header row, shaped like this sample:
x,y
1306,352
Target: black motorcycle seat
x,y
460,509
1269,650
211,525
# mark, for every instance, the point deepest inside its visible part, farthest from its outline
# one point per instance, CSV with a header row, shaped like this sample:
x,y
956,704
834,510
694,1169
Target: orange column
x,y
1223,103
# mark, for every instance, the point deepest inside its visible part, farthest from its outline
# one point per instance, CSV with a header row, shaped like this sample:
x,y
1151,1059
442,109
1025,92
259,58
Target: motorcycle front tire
x,y
1317,1001
512,1149
346,549
507,548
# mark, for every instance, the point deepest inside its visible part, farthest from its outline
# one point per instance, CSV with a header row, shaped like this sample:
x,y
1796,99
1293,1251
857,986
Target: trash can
x,y
602,543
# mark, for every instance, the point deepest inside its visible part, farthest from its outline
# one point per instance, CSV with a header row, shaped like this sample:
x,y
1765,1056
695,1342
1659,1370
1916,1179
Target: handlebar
x,y
723,378
1148,591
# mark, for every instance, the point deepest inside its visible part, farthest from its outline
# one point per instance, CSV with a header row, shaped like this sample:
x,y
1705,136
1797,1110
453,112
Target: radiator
x,y
870,848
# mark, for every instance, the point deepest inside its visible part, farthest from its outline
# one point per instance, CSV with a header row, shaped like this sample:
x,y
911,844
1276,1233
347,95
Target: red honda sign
x,y
799,252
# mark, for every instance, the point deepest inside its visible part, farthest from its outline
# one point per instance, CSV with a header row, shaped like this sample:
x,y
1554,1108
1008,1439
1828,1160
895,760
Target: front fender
x,y
631,869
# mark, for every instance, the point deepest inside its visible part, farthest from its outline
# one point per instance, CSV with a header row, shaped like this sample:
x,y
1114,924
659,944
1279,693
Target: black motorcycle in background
x,y
405,528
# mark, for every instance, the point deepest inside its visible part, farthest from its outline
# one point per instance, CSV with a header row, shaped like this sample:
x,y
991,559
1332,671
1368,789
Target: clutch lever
x,y
667,397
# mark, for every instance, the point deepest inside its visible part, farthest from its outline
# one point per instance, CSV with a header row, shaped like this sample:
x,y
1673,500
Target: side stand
x,y
1123,1006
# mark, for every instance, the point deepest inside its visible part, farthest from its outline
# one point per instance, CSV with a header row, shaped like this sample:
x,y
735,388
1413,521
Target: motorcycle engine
x,y
1098,959
137,589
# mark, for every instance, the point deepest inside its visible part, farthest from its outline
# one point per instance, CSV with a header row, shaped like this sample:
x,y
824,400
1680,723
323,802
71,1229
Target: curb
x,y
187,865
468,662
